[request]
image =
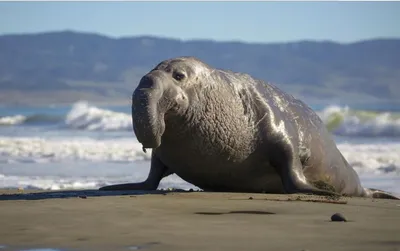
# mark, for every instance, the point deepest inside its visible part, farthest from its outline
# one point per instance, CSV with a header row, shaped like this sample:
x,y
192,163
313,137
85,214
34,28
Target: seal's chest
x,y
208,149
209,146
197,161
201,155
217,172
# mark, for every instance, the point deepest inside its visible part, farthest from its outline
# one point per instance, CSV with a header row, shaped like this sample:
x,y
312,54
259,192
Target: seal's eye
x,y
178,76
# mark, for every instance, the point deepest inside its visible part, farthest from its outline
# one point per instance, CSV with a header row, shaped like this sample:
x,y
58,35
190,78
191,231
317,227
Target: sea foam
x,y
80,175
377,158
34,149
88,163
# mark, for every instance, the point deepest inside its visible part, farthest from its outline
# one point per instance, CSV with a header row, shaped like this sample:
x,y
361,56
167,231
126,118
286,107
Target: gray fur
x,y
226,131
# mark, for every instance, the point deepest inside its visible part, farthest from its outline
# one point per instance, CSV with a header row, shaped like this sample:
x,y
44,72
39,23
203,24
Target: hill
x,y
66,66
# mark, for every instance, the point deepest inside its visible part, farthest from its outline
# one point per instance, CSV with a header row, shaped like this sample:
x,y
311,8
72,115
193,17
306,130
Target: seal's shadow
x,y
235,212
83,194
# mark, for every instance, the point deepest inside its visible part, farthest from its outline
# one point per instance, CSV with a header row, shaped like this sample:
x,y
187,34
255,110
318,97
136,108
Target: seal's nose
x,y
146,82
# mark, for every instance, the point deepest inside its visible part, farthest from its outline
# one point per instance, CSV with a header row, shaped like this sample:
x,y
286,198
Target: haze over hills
x,y
63,67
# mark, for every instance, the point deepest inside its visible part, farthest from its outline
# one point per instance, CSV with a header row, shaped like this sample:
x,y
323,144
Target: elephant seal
x,y
227,131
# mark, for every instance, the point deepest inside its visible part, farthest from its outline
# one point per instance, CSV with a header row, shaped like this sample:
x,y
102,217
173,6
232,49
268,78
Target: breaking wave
x,y
82,116
86,117
344,121
341,121
32,119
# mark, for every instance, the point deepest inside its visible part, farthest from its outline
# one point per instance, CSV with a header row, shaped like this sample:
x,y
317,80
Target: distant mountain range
x,y
63,67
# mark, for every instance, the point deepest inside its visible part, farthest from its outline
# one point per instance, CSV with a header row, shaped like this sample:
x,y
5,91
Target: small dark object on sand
x,y
338,217
250,198
82,196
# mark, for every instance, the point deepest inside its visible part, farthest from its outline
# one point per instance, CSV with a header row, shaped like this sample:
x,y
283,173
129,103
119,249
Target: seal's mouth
x,y
149,133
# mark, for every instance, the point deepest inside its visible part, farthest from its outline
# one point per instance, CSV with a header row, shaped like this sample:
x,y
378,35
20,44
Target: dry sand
x,y
195,221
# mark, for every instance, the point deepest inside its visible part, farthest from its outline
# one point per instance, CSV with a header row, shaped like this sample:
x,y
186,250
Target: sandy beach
x,y
90,220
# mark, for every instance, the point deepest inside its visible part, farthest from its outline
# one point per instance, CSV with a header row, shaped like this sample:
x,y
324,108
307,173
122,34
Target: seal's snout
x,y
147,113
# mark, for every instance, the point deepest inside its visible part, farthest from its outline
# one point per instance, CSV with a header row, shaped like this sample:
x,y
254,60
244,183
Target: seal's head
x,y
163,91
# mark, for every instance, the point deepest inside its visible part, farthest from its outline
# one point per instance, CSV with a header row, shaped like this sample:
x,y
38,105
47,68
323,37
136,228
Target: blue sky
x,y
223,21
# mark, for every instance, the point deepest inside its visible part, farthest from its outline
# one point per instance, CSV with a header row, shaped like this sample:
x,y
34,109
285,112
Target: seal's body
x,y
226,131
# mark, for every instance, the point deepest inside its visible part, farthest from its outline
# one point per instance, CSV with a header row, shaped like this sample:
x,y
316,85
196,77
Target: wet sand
x,y
194,221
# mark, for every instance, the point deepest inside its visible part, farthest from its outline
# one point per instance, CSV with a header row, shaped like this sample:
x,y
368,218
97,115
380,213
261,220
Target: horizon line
x,y
192,39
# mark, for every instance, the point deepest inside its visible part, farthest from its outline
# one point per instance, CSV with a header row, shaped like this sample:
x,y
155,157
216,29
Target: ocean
x,y
84,146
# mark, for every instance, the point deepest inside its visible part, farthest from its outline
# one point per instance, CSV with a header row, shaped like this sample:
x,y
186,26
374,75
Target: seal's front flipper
x,y
379,194
127,186
157,171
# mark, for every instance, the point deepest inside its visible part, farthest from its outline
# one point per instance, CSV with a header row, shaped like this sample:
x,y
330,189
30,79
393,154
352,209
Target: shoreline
x,y
193,221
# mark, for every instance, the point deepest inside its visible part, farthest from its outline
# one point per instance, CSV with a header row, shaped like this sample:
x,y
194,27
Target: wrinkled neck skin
x,y
217,120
